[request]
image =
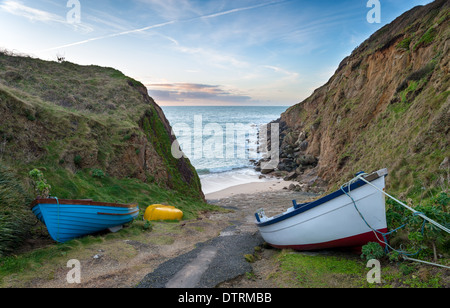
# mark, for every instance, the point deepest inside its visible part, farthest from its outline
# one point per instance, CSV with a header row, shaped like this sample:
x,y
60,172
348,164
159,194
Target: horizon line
x,y
161,105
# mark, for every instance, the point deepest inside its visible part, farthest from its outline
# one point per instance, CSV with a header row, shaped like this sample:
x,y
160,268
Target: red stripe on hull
x,y
353,241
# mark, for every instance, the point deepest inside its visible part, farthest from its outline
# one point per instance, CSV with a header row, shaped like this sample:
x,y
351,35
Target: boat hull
x,y
330,222
70,219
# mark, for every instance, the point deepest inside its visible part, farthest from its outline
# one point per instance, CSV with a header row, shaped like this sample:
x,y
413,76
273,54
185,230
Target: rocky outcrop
x,y
387,105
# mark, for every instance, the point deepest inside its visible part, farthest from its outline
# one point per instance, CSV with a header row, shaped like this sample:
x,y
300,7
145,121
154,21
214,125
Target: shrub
x,y
41,188
404,44
98,173
427,38
422,73
372,251
148,226
422,237
77,160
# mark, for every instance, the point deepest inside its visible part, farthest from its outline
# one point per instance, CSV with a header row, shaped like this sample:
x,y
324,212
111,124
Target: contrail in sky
x,y
237,10
110,35
163,24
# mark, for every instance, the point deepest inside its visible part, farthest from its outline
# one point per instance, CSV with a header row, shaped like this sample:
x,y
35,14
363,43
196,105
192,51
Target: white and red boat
x,y
341,219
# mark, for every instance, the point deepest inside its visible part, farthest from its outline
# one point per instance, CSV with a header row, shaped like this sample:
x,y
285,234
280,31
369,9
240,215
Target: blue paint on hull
x,y
68,221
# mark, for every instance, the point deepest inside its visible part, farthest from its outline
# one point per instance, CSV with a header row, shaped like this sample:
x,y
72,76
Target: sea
x,y
221,141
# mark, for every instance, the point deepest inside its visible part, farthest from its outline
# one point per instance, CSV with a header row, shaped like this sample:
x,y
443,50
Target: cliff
x,y
68,119
387,105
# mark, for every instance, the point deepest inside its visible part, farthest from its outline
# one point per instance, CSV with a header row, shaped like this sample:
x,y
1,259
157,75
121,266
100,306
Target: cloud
x,y
329,18
18,9
240,9
111,35
168,6
213,57
288,75
36,15
106,19
193,93
172,9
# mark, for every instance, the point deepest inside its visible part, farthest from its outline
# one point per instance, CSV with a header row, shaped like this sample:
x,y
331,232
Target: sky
x,y
201,52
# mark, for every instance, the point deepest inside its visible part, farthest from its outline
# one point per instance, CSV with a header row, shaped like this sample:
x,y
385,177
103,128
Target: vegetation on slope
x,y
93,132
386,106
14,219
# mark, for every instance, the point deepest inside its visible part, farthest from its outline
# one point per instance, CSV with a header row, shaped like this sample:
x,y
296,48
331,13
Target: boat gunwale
x,y
115,214
308,206
87,202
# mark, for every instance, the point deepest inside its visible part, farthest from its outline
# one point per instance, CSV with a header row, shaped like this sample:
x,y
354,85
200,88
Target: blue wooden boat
x,y
69,219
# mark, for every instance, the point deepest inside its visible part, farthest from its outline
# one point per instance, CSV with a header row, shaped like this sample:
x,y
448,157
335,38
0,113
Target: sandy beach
x,y
274,185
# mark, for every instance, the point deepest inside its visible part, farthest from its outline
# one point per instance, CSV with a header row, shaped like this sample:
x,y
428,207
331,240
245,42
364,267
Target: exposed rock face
x,y
387,105
86,117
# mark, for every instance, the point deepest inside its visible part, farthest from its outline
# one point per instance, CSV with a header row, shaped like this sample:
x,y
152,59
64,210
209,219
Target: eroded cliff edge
x,y
387,105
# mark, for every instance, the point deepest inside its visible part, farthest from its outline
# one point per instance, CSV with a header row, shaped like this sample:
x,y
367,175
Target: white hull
x,y
333,222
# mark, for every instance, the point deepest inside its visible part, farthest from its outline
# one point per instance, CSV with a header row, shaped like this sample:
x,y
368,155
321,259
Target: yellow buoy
x,y
162,212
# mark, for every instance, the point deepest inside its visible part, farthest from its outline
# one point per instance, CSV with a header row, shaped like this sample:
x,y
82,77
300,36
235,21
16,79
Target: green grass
x,y
298,270
405,43
308,271
427,38
14,222
85,128
15,215
94,138
85,184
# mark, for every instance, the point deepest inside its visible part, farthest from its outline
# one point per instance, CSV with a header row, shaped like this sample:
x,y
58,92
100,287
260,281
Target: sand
x,y
251,189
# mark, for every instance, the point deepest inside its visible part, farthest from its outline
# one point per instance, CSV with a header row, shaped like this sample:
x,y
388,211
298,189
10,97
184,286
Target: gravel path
x,y
211,263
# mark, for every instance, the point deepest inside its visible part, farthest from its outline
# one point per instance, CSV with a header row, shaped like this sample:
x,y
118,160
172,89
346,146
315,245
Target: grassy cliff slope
x,y
387,105
94,133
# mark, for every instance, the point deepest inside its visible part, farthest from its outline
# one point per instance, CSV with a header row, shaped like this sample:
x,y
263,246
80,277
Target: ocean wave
x,y
214,182
221,169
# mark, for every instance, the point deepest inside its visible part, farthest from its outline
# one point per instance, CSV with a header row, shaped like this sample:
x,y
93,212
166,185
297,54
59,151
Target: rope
x,y
405,255
429,263
376,232
57,202
409,208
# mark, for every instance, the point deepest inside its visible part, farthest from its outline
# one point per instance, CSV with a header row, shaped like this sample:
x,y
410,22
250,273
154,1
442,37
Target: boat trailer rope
x,y
405,255
360,177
